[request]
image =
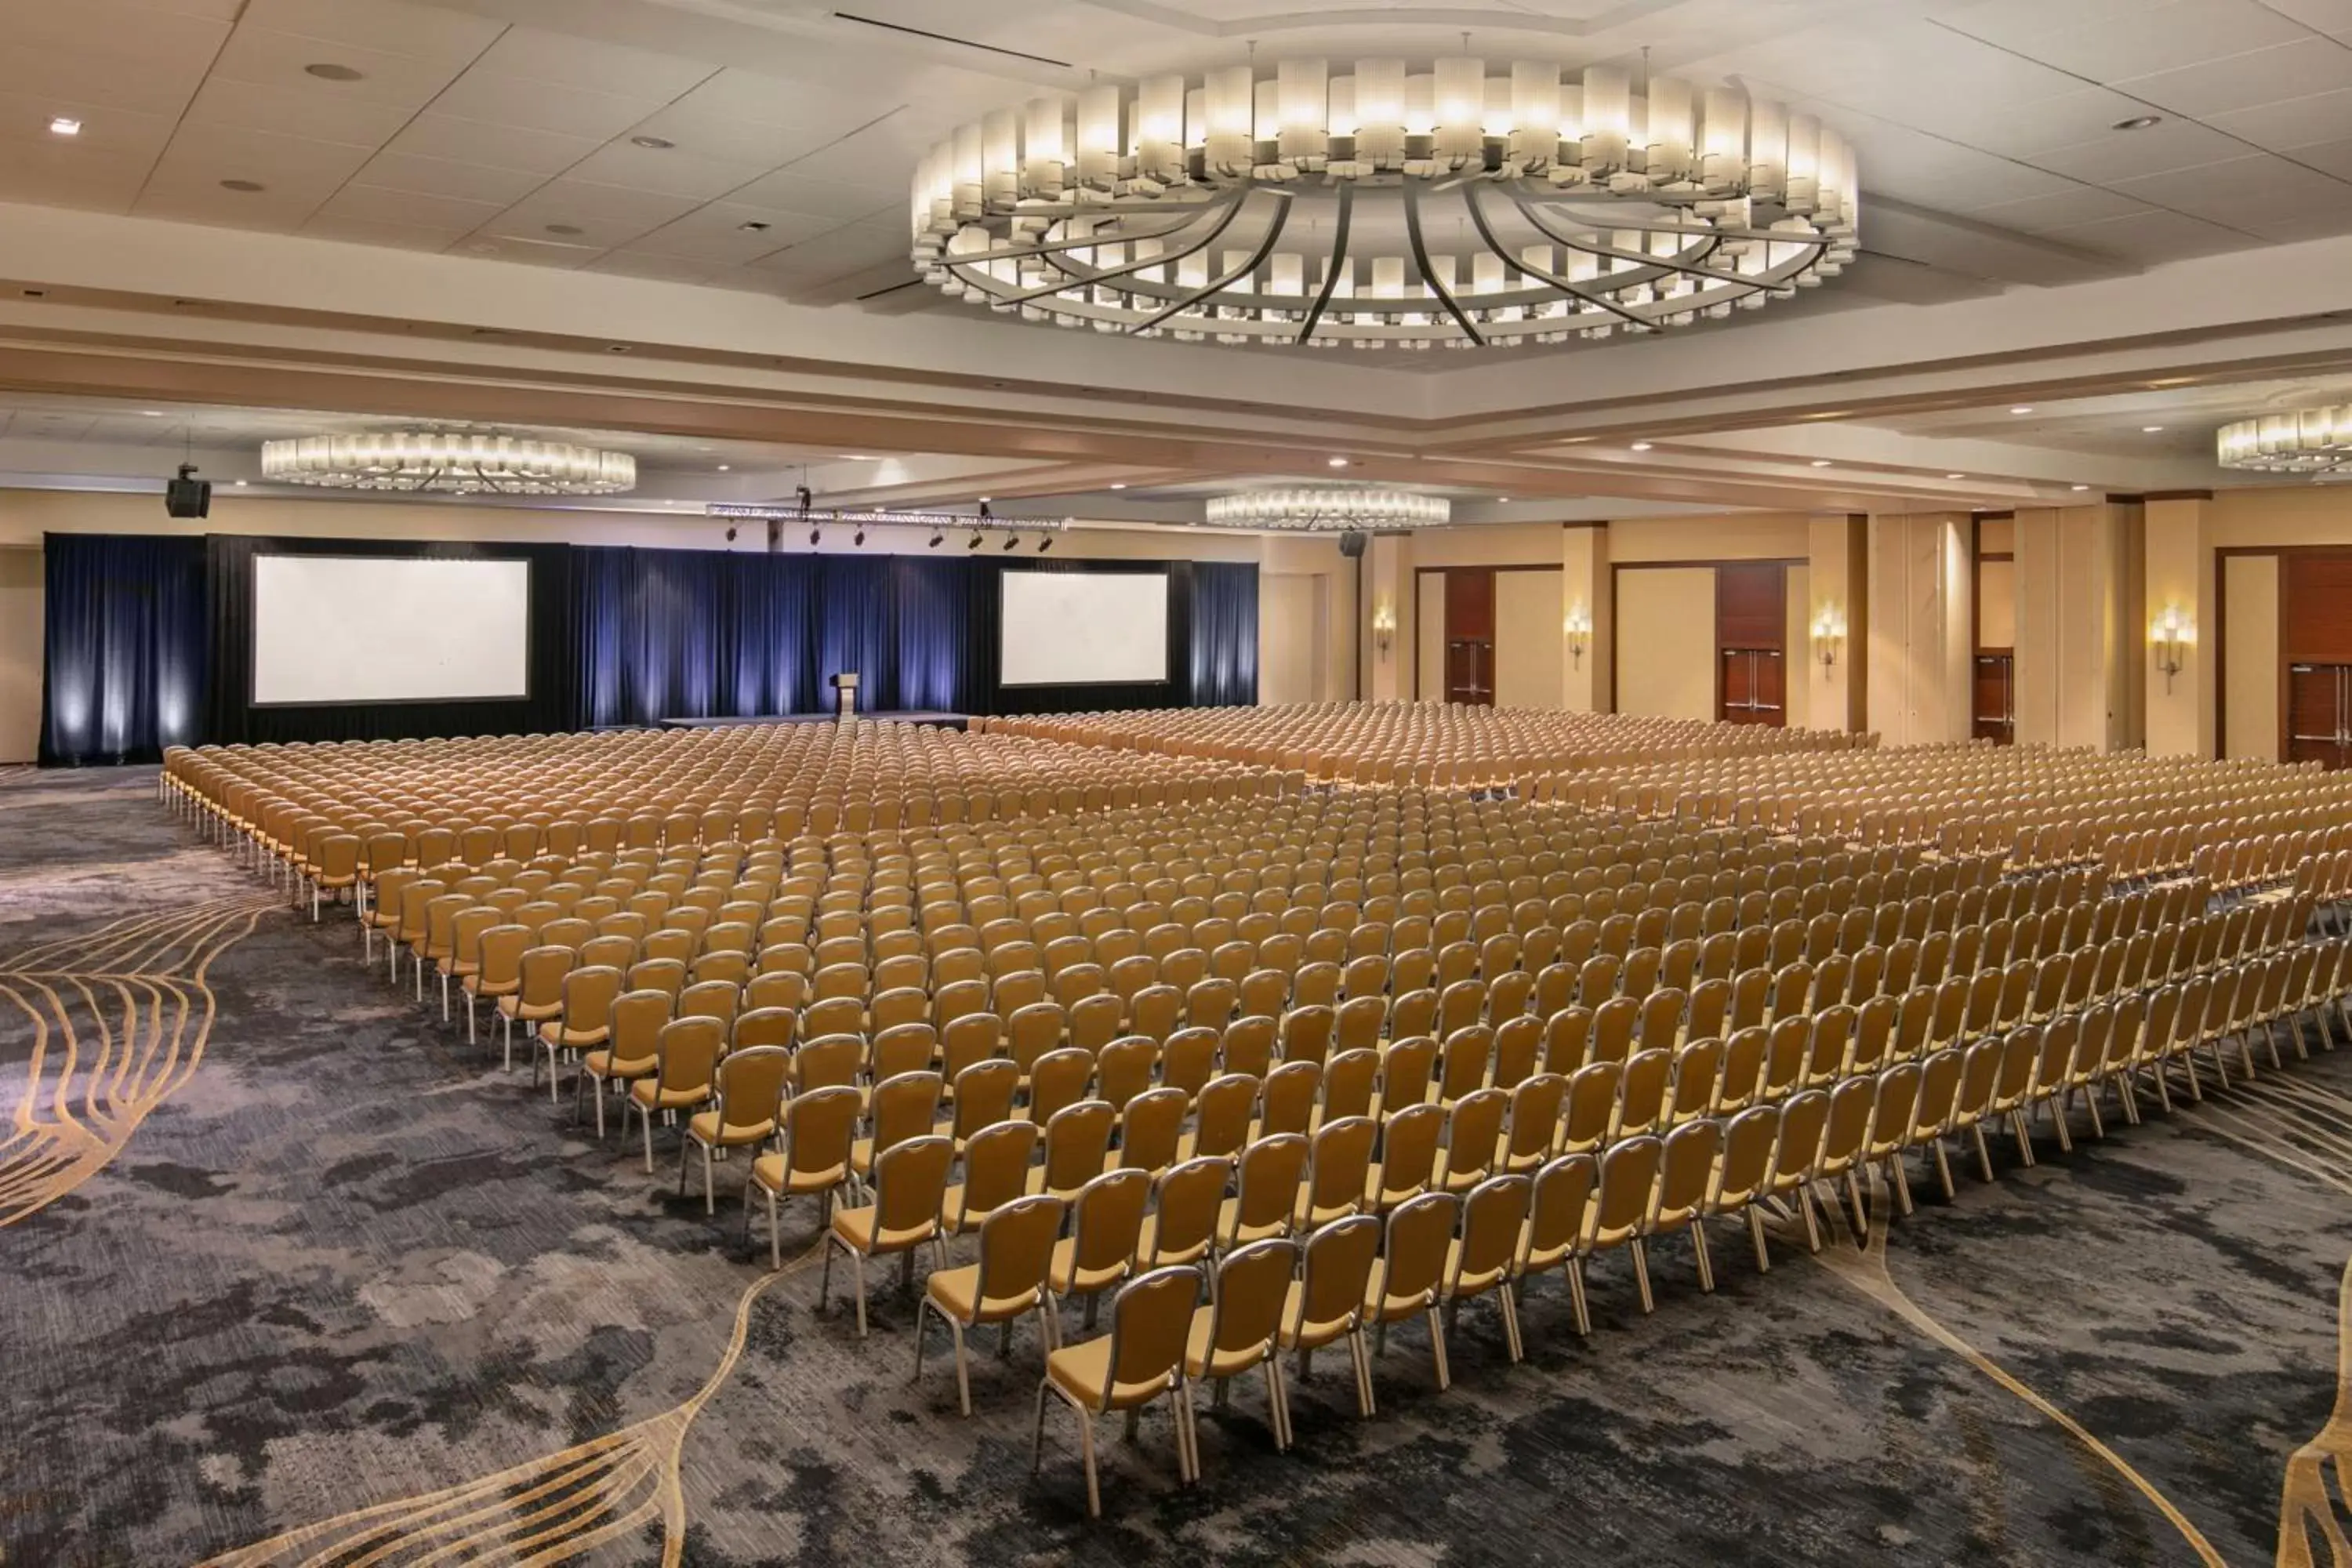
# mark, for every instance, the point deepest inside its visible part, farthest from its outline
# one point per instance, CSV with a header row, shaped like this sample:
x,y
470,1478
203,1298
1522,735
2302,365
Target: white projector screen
x,y
372,628
1084,628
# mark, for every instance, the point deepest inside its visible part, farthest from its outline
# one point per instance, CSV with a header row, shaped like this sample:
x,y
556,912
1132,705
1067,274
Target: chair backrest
x,y
1150,1323
1189,1198
1268,1180
819,1126
689,1049
1493,1217
996,1162
1562,1193
904,1107
909,1182
751,1090
1252,1288
1225,1107
1685,1171
1336,1269
1076,1139
1338,1158
1106,1218
1420,1234
1629,1179
1151,1127
1016,1248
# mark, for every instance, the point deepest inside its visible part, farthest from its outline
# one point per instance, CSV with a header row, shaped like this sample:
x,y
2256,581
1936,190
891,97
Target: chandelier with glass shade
x,y
1386,203
452,462
2308,441
1330,508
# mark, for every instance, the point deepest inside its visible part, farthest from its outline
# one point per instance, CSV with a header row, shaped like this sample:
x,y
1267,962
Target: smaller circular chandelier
x,y
1330,508
448,462
2308,441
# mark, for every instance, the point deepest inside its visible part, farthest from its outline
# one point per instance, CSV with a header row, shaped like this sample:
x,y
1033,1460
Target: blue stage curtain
x,y
774,635
1225,634
700,634
123,647
931,615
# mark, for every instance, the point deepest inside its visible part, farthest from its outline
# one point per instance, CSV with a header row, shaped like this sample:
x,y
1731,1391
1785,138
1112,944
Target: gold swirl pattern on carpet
x,y
120,1018
548,1509
1865,1267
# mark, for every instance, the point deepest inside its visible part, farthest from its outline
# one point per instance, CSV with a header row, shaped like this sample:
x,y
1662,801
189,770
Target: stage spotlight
x,y
1011,541
816,534
860,539
936,538
1044,544
974,542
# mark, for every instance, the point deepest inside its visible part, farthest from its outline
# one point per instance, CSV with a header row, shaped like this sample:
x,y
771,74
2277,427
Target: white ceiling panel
x,y
114,29
448,177
828,93
404,82
329,224
660,268
2290,122
2076,205
390,26
717,234
2153,237
793,191
531,252
375,204
2328,157
2326,15
274,212
606,216
2170,145
672,171
203,155
2256,188
2019,129
149,85
120,132
314,111
532,53
2146,38
2243,81
63,176
496,99
436,133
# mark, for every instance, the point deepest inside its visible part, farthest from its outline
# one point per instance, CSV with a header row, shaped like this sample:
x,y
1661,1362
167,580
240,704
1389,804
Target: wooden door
x,y
1470,635
2319,725
1753,688
1994,712
1752,622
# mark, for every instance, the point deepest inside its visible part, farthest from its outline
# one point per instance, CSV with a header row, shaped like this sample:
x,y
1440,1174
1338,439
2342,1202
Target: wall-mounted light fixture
x,y
1829,634
1578,629
2168,639
1384,627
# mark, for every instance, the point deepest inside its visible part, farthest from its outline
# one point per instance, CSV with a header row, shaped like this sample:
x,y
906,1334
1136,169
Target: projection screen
x,y
362,628
1084,628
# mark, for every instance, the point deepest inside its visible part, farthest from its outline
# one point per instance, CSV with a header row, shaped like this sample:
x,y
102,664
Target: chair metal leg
x,y
857,1275
1641,1272
963,1371
1278,1403
646,1115
1437,1345
1359,1354
1699,1253
1576,1302
1037,1448
1511,1321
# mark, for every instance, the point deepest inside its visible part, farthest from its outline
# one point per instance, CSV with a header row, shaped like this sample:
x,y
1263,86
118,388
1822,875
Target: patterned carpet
x,y
290,1274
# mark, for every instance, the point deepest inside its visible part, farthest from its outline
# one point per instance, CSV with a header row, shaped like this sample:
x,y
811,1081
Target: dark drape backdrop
x,y
233,719
123,647
1224,634
149,641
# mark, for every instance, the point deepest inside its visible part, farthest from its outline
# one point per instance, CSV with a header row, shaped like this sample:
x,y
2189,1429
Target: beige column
x,y
1388,615
2178,578
1584,591
1921,631
1837,585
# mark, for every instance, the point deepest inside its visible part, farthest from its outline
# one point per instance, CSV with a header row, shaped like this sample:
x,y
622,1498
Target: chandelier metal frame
x,y
448,462
1587,209
2306,441
1330,508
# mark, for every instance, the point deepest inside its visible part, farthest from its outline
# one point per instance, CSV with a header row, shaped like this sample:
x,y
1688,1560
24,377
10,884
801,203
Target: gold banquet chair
x,y
1140,1360
1008,1282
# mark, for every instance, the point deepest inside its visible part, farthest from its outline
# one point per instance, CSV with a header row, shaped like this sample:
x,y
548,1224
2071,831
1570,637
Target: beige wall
x,y
2078,593
1997,604
1838,579
20,654
1664,666
1388,585
1799,665
2249,589
1731,536
1293,620
1584,586
1920,626
2178,570
1429,632
1528,608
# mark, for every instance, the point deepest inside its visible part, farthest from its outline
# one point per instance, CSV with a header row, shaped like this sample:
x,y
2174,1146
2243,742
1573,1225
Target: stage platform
x,y
943,721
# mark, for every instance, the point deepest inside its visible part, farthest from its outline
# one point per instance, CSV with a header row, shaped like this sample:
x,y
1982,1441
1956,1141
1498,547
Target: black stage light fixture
x,y
1011,541
1353,542
1044,544
187,496
860,539
816,534
974,542
936,538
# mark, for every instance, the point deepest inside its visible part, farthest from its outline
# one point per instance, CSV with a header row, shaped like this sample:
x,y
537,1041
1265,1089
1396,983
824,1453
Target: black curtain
x,y
233,719
123,647
1225,634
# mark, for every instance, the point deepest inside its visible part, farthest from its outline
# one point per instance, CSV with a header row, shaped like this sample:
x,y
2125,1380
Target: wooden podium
x,y
845,688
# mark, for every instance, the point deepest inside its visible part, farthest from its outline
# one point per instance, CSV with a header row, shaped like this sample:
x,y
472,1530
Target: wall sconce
x,y
1578,629
2169,639
1383,629
1829,634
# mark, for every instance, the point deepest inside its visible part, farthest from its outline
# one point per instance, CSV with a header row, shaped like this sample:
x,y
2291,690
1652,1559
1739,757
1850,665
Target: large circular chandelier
x,y
2309,441
455,462
1330,508
1385,205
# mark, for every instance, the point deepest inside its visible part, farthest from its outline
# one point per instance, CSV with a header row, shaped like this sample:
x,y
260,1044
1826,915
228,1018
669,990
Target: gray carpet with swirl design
x,y
289,1273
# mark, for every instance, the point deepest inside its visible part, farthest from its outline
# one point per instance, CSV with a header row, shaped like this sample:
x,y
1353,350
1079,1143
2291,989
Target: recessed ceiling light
x,y
242,186
852,458
1502,500
152,413
722,468
985,499
65,125
1338,462
240,484
2022,408
755,226
2139,122
2149,429
565,228
2080,486
1119,486
652,143
327,70
616,348
1956,476
1641,446
1821,462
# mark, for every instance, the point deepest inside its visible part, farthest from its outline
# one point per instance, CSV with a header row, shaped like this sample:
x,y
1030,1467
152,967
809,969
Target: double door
x,y
1993,716
1754,687
2319,714
1470,671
